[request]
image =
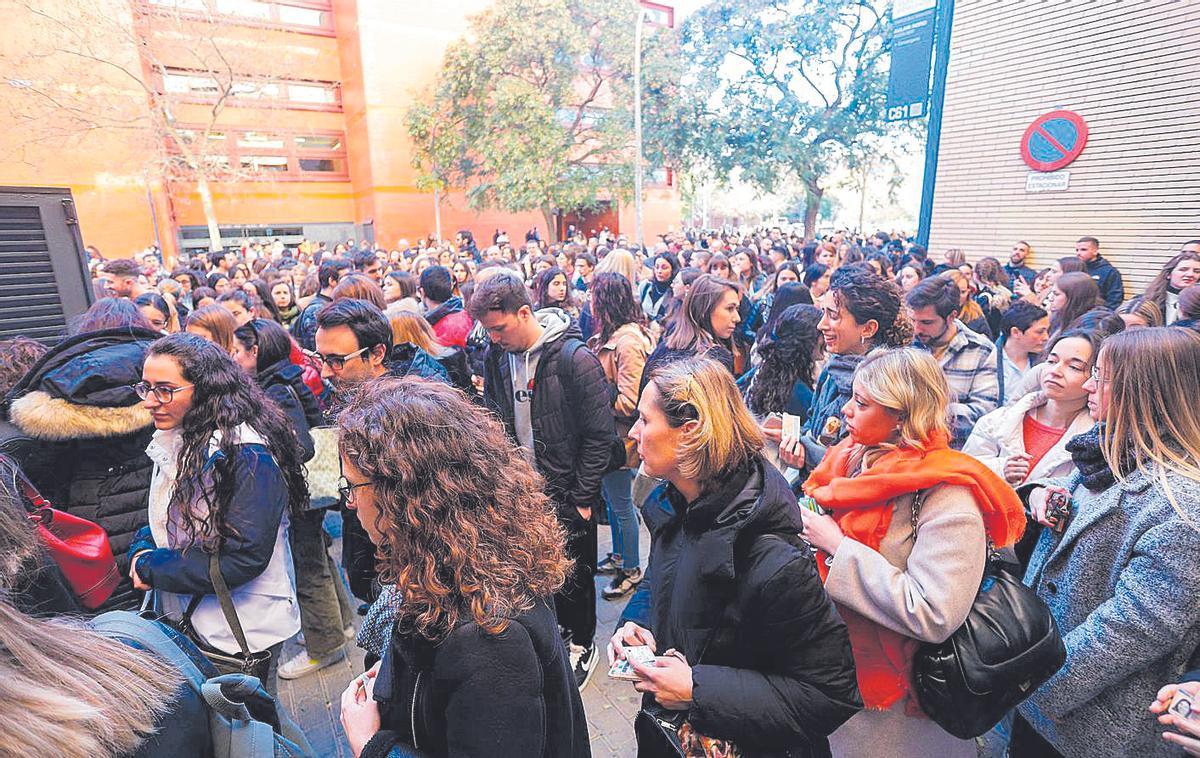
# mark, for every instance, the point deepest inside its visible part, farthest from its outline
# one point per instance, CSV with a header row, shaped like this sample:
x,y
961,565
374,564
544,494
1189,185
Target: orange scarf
x,y
863,508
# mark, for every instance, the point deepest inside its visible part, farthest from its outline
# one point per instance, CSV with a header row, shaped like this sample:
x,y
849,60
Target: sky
x,y
685,8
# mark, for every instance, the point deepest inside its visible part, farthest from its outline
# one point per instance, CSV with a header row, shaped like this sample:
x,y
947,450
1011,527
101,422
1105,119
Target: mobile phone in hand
x,y
622,670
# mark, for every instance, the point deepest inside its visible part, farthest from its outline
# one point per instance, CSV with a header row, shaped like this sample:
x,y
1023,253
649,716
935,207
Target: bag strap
x,y
918,496
226,601
149,635
34,499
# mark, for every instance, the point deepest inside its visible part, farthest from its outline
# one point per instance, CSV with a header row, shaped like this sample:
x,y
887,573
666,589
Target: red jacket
x,y
450,323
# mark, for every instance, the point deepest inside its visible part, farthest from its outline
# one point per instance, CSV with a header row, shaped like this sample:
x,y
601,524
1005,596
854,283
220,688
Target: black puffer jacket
x,y
78,403
508,694
571,413
738,594
284,383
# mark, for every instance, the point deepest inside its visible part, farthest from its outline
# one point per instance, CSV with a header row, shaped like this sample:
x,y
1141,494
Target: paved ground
x,y
610,704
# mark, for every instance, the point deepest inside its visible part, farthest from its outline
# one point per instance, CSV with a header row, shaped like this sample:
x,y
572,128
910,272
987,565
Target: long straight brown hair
x,y
693,322
1152,423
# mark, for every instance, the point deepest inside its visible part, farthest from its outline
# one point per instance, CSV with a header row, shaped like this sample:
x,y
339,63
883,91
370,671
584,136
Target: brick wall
x,y
1130,69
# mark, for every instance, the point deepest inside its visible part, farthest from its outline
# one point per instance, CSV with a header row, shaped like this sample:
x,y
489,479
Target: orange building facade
x,y
318,128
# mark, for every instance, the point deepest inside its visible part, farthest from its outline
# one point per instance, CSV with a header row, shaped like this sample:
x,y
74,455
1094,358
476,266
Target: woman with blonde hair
x,y
214,323
72,692
903,552
751,656
473,663
412,329
1119,570
621,262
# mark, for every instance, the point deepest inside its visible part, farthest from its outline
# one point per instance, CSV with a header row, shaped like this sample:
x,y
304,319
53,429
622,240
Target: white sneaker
x,y
583,663
301,664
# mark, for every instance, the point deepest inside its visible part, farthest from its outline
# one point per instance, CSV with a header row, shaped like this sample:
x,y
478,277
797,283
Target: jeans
x,y
575,603
324,606
622,516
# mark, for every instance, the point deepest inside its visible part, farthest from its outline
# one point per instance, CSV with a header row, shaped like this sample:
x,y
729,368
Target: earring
x,y
862,340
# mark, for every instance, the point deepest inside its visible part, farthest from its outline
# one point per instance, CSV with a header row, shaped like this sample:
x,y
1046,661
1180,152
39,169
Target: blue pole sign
x,y
912,51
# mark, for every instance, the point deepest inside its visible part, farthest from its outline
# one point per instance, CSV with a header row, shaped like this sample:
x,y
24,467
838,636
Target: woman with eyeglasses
x,y
227,474
156,310
473,663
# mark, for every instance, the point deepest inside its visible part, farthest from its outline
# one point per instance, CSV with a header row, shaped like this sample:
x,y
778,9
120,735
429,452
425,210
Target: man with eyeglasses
x,y
354,346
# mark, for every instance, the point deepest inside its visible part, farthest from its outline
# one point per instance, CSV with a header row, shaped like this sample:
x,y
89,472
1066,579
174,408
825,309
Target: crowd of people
x,y
829,443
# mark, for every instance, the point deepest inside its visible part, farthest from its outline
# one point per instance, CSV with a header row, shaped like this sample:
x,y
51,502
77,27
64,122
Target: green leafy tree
x,y
781,90
532,110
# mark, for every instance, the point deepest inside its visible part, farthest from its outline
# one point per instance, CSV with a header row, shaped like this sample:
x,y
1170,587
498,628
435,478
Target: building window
x,y
274,154
659,15
315,16
660,177
289,94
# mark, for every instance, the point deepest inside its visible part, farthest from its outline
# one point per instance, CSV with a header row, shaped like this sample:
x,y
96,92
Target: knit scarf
x,y
288,315
1087,457
863,507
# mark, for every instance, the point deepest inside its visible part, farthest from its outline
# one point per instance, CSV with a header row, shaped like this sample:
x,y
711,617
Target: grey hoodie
x,y
523,368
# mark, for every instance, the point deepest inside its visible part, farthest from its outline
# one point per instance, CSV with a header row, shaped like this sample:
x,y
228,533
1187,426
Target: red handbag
x,y
79,547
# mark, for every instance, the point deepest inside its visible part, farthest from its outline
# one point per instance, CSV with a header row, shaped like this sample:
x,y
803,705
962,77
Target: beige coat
x,y
922,590
623,357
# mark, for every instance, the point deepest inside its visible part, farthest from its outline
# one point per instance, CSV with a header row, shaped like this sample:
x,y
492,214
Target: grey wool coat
x,y
1123,583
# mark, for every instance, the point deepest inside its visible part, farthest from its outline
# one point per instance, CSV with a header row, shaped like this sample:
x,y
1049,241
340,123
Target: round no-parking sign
x,y
1053,140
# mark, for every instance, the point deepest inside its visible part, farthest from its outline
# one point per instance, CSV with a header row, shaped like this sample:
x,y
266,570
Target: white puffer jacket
x,y
1000,435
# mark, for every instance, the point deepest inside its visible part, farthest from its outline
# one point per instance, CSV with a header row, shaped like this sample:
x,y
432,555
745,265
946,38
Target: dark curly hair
x,y
613,304
788,356
223,400
867,296
467,531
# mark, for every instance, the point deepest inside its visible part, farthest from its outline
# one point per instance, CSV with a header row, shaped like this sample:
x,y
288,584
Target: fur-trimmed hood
x,y
83,388
48,418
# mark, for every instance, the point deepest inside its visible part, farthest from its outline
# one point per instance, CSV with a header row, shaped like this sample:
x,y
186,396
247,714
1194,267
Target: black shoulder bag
x,y
244,662
1007,648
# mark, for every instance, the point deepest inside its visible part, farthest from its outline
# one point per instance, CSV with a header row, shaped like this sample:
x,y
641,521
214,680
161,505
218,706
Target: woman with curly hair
x,y
783,382
227,473
474,664
860,312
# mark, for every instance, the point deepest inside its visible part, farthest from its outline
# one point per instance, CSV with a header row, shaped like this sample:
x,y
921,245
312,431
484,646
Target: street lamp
x,y
637,123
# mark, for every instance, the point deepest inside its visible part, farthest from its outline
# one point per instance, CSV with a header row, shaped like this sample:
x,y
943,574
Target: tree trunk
x,y
813,193
210,213
551,224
